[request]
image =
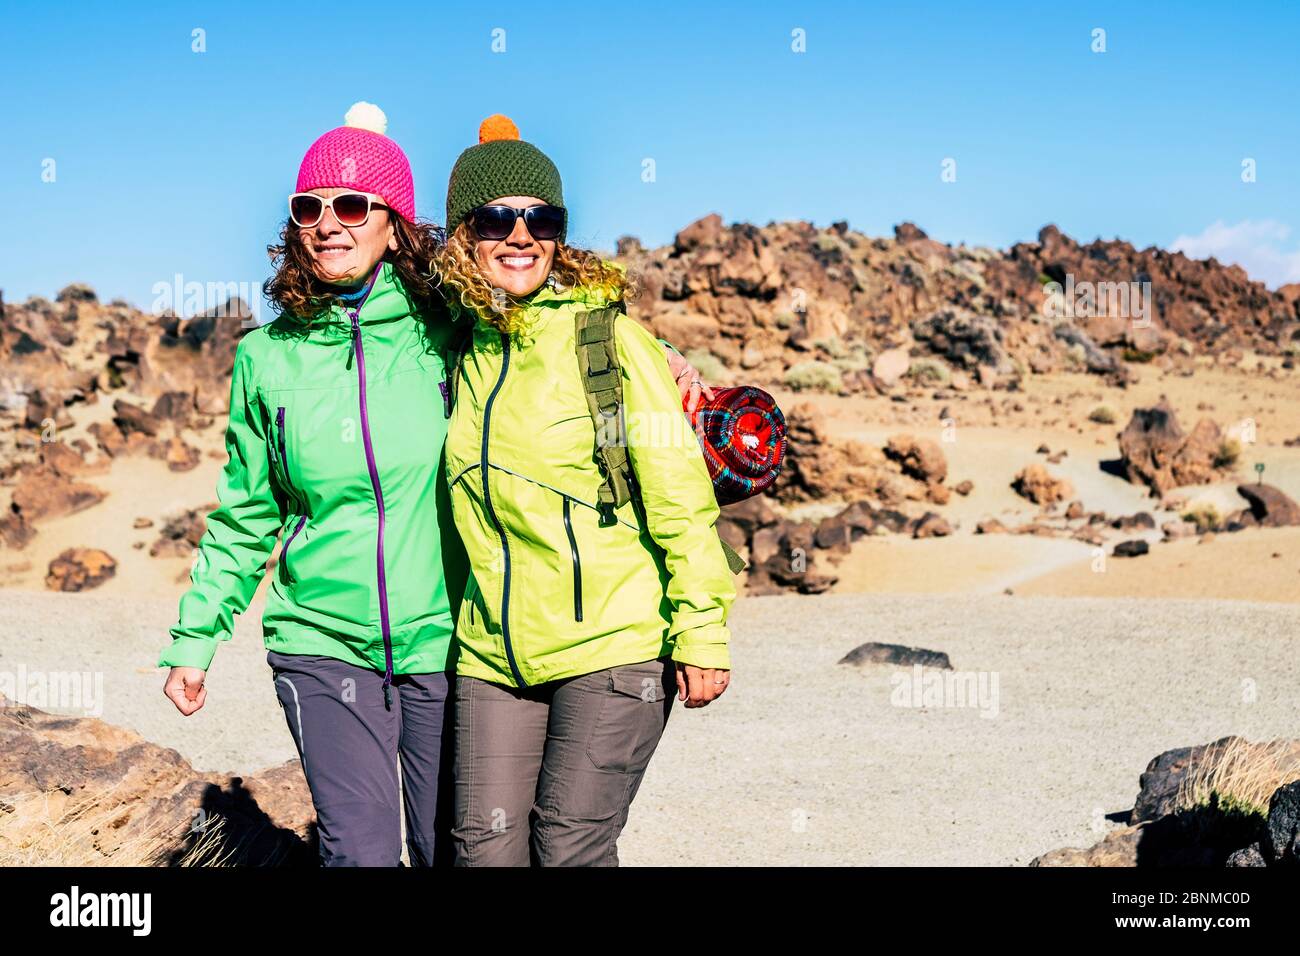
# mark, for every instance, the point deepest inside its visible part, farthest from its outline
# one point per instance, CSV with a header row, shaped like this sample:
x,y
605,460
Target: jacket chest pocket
x,y
277,439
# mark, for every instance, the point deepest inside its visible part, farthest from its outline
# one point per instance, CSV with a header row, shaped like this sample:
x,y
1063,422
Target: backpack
x,y
602,381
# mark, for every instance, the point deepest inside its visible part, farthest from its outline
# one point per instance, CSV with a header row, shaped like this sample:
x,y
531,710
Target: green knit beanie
x,y
500,165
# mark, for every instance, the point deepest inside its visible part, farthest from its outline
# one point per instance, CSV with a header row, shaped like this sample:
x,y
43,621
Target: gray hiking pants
x,y
350,746
545,774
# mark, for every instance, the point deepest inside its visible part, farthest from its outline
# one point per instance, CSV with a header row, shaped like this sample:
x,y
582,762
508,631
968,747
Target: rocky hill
x,y
787,306
837,310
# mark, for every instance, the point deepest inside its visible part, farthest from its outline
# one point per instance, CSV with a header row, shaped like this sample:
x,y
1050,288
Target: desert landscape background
x,y
1065,511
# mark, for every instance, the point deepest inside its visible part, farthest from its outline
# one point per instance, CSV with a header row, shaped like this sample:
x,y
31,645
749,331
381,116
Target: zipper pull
x,y
352,345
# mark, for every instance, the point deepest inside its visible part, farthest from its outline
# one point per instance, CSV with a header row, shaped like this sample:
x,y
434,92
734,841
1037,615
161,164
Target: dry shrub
x,y
1240,775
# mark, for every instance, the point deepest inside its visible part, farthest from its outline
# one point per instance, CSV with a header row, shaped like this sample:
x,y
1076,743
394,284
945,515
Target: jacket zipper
x,y
491,512
293,496
284,552
279,437
577,563
359,350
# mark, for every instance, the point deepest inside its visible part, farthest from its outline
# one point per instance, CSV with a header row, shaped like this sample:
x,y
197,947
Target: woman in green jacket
x,y
338,416
586,609
335,440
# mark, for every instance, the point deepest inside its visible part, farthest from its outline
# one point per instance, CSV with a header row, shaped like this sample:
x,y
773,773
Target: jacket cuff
x,y
703,647
668,345
189,652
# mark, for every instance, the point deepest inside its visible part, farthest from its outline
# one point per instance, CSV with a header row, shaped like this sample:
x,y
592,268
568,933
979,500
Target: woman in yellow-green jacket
x,y
584,613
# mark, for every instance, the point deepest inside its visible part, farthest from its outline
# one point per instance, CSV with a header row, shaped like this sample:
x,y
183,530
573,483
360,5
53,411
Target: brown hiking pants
x,y
545,774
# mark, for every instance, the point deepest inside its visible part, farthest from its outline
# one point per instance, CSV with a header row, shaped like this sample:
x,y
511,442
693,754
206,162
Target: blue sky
x,y
168,161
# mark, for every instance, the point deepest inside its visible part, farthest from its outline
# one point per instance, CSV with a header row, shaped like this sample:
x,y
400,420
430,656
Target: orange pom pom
x,y
497,126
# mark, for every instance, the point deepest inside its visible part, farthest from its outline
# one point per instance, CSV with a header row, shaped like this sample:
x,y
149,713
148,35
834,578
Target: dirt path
x,y
808,762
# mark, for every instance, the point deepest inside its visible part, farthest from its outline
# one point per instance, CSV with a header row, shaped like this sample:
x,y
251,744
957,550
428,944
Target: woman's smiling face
x,y
518,264
346,255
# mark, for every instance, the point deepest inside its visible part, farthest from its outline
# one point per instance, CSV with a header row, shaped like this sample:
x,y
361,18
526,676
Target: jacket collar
x,y
541,306
385,302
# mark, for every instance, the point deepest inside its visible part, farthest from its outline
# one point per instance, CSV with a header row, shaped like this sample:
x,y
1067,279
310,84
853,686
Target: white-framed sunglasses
x,y
350,209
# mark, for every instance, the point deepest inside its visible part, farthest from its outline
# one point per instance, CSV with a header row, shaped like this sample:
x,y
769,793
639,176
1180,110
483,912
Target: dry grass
x,y
1240,775
51,829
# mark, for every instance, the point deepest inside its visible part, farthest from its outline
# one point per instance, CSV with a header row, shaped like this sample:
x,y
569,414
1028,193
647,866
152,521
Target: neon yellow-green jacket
x,y
551,593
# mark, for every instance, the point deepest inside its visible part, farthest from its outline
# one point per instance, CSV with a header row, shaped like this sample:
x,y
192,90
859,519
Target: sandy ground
x,y
1100,666
806,761
135,487
987,440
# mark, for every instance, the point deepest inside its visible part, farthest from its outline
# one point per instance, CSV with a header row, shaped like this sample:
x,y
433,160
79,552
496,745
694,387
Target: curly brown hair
x,y
467,289
302,299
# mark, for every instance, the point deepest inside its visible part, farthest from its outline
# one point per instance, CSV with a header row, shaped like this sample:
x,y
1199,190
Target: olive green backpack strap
x,y
734,561
602,382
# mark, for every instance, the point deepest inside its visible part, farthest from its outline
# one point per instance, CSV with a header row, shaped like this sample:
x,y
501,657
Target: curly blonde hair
x,y
467,289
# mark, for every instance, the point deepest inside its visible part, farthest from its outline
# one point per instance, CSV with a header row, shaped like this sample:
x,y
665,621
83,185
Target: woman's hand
x,y
688,381
185,689
700,686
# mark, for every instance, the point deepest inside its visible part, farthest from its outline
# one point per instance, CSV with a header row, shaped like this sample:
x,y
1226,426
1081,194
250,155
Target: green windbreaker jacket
x,y
553,594
336,441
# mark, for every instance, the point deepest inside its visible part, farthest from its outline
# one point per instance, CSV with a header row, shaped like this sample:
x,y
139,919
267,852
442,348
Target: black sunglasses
x,y
497,222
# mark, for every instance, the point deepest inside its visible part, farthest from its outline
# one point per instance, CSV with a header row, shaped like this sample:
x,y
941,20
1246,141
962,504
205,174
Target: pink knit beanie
x,y
359,156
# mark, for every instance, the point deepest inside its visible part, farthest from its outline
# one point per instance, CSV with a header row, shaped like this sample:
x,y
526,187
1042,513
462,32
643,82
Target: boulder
x,y
43,493
1040,486
181,532
1156,452
1131,549
890,366
64,459
15,532
109,438
839,530
175,407
1160,784
119,799
132,418
818,467
177,453
793,564
79,569
1117,848
895,654
967,340
920,458
1140,521
931,525
1283,832
1270,506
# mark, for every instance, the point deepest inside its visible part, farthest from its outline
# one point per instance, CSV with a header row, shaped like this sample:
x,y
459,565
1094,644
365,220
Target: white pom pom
x,y
365,115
